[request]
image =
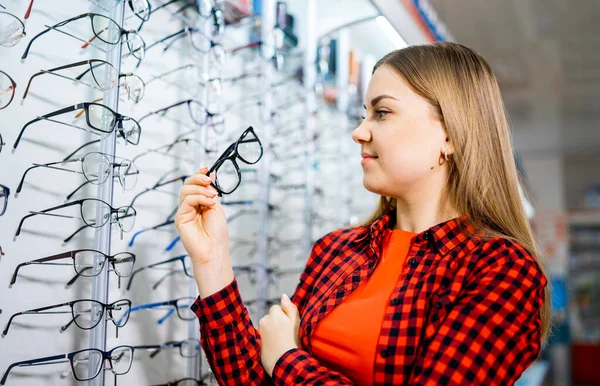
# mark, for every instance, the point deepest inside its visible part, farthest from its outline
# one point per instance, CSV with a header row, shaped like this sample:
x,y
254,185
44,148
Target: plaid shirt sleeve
x,y
232,344
492,332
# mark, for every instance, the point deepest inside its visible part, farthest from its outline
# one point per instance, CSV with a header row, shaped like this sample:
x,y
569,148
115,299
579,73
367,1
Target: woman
x,y
443,285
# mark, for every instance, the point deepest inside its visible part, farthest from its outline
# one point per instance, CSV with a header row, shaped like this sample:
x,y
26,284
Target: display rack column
x,y
105,191
310,77
268,20
343,75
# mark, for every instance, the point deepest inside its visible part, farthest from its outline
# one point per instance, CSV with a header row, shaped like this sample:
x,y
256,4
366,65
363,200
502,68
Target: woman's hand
x,y
279,333
201,220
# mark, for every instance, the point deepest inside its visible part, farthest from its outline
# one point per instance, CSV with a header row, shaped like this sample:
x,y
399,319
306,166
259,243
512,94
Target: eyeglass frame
x,y
111,259
106,355
91,15
14,87
50,165
105,308
231,153
22,25
173,308
118,118
73,203
154,265
5,193
171,344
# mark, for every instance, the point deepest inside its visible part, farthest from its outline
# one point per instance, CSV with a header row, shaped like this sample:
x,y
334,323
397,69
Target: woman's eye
x,y
381,113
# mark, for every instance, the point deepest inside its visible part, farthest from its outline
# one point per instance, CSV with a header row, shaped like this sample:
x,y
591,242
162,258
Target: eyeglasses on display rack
x,y
99,118
4,194
95,167
7,90
197,112
2,143
105,29
12,29
159,184
188,348
198,40
247,149
185,261
189,381
126,172
172,150
169,221
85,313
124,216
85,364
99,72
181,306
84,263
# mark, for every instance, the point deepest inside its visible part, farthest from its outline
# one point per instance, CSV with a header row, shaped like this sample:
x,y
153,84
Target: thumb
x,y
289,308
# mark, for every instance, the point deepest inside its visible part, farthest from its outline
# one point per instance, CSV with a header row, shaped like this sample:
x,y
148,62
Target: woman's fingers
x,y
194,200
187,190
198,179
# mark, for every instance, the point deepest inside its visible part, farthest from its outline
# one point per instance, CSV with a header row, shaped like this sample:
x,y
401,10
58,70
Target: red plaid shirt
x,y
465,311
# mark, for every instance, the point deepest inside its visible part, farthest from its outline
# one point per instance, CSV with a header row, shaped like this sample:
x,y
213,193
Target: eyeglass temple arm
x,y
28,12
168,274
160,76
77,189
76,64
163,5
180,32
35,311
49,29
81,147
88,70
49,115
33,362
136,234
151,266
64,328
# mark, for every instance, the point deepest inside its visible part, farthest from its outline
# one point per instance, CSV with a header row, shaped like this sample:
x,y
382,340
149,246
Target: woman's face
x,y
401,140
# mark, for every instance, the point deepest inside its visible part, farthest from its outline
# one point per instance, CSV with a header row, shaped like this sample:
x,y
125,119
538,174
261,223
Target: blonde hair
x,y
465,96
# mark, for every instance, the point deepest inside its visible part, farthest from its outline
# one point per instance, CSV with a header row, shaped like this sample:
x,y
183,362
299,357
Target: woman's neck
x,y
418,217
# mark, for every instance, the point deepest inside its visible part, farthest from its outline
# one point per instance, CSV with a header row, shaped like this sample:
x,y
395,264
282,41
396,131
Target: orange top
x,y
345,340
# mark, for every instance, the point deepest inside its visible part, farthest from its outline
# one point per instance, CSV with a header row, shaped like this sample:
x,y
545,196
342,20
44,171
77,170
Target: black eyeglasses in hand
x,y
124,216
105,29
85,264
86,313
85,364
247,149
100,120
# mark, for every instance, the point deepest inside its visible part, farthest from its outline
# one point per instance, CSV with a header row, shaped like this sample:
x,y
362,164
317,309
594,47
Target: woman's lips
x,y
366,158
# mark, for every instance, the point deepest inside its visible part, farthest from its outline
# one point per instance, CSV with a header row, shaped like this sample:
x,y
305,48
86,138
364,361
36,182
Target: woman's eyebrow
x,y
376,100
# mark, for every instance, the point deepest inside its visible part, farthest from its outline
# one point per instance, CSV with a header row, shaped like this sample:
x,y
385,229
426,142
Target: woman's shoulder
x,y
498,253
342,236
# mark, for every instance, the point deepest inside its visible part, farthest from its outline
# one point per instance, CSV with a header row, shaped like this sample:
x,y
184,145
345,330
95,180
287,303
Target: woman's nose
x,y
361,133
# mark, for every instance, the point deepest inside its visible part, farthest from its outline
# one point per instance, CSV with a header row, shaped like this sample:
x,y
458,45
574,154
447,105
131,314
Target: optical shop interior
x,y
108,108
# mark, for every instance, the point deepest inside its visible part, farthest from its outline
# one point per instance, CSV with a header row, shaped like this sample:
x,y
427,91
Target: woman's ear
x,y
448,147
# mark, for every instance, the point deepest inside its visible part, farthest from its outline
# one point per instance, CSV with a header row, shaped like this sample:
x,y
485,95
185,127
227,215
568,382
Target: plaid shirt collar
x,y
445,236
